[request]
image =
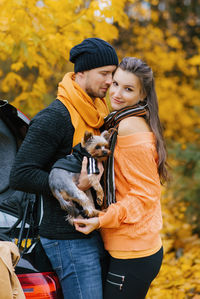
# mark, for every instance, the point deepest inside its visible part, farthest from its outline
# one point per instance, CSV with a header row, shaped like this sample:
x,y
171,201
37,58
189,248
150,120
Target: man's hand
x,y
84,183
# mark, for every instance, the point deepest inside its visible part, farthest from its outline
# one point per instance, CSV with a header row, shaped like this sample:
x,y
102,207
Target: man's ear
x,y
80,77
87,136
80,74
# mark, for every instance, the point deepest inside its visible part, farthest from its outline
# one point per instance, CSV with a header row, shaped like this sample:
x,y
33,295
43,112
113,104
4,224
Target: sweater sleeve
x,y
29,172
137,165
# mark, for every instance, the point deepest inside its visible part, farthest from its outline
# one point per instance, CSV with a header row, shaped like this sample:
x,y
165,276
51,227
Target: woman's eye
x,y
129,89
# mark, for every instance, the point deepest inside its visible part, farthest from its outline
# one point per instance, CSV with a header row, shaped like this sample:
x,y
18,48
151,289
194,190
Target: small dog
x,y
64,176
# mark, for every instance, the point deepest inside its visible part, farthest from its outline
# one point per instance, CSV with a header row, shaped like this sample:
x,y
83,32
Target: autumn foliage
x,y
166,35
179,276
35,39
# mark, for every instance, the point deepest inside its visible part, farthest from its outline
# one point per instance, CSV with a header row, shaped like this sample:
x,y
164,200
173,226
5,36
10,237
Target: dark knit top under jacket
x,y
48,139
73,162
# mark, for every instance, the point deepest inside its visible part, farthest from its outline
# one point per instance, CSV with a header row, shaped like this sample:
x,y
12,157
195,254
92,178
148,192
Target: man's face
x,y
98,80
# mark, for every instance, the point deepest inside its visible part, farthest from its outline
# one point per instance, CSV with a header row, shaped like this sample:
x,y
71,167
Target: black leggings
x,y
131,278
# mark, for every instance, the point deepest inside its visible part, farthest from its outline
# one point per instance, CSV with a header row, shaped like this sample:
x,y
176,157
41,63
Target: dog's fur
x,y
63,183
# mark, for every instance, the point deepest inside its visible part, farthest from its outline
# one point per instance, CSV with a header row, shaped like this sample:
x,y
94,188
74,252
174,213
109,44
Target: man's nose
x,y
109,79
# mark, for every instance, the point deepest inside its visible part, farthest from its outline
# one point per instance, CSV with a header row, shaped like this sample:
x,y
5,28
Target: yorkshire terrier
x,y
64,176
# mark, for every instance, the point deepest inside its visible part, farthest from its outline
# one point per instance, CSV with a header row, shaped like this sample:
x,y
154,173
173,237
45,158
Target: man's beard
x,y
94,94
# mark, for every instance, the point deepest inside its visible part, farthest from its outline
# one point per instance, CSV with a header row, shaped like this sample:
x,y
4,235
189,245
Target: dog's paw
x,y
70,219
99,201
65,205
91,212
100,196
88,212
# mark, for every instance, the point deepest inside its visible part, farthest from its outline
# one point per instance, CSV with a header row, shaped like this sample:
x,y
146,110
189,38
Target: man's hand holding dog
x,y
84,183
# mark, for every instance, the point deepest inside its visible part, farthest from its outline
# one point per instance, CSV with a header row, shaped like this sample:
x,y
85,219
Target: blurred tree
x,y
166,34
186,180
35,39
179,275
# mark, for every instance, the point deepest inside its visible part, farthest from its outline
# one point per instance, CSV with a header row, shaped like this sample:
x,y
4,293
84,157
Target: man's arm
x,y
29,172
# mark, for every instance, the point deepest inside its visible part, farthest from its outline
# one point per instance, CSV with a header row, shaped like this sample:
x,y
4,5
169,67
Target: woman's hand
x,y
86,226
84,183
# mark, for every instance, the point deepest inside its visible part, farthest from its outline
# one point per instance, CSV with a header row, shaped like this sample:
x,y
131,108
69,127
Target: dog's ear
x,y
108,134
87,136
105,134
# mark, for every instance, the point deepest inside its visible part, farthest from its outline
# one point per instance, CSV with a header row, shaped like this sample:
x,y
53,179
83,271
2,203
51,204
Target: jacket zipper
x,y
120,285
121,276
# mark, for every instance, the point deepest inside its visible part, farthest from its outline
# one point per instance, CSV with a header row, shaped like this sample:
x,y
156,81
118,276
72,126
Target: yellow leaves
x,y
17,66
30,101
101,30
116,11
195,60
168,244
179,276
177,98
154,2
154,16
174,42
12,80
39,87
35,37
164,47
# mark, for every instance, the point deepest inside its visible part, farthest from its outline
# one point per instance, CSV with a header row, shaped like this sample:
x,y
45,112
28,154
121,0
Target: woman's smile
x,y
117,100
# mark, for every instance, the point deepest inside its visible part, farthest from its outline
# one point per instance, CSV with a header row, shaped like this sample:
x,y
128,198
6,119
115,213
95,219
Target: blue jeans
x,y
77,264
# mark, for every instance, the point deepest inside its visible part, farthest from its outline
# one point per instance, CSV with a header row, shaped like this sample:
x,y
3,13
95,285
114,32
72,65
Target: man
x,y
80,106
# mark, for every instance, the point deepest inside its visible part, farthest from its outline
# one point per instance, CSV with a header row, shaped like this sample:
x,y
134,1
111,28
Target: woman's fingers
x,y
86,226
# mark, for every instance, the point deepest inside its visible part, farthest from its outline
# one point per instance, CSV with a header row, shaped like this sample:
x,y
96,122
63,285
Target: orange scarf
x,y
85,113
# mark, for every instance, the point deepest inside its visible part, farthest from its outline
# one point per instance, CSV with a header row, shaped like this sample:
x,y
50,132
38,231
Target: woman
x,y
131,223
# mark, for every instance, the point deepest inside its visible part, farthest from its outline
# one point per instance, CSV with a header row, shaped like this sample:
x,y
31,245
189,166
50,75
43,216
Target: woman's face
x,y
125,90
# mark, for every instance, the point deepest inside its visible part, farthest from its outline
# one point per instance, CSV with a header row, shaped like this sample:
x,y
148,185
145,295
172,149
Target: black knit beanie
x,y
92,53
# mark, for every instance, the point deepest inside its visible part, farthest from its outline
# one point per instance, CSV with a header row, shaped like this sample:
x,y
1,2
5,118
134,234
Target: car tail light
x,y
40,285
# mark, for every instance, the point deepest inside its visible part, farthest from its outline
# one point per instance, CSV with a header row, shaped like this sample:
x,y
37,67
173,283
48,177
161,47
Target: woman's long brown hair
x,y
145,75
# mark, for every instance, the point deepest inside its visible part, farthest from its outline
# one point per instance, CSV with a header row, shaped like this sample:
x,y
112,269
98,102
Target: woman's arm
x,y
131,125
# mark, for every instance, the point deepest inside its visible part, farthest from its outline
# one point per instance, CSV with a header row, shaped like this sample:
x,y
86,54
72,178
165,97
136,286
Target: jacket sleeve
x,y
142,178
30,170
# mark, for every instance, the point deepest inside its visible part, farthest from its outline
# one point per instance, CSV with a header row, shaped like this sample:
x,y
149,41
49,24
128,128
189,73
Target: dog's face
x,y
97,146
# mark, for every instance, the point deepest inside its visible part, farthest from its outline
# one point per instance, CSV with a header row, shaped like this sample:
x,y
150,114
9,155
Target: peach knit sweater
x,y
134,221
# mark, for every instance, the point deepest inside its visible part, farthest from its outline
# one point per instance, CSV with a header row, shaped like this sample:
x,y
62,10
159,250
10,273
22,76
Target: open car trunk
x,y
20,212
